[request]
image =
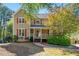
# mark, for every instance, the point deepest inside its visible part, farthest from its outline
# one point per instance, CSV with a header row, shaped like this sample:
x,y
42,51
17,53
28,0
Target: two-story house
x,y
25,28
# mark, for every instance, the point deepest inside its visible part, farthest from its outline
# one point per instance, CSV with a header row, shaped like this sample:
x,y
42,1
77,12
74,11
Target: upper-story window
x,y
38,22
21,19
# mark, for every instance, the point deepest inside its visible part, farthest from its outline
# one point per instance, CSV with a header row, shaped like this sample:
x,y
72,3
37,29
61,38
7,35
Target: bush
x,y
15,38
31,38
58,40
7,39
1,41
12,38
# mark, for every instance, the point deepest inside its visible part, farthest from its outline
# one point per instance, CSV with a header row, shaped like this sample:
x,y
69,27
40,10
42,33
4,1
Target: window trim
x,y
21,20
36,22
20,34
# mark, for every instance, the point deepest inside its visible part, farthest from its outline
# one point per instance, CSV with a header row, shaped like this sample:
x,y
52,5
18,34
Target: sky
x,y
16,6
13,6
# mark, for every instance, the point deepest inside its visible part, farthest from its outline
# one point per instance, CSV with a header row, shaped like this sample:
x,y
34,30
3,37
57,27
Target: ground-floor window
x,y
21,32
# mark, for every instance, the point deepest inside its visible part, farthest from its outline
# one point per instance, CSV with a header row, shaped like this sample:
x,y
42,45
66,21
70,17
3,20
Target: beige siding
x,y
44,21
24,25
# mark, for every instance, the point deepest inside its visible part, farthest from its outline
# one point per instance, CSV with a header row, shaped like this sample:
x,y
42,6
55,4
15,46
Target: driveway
x,y
34,49
19,49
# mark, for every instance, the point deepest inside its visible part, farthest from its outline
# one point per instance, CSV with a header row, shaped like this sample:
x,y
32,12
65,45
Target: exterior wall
x,y
18,25
45,21
34,22
45,31
26,24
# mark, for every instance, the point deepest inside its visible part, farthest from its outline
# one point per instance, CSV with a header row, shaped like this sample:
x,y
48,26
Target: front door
x,y
37,33
37,36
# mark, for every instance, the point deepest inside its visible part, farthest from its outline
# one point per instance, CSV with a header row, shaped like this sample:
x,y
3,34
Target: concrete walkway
x,y
45,45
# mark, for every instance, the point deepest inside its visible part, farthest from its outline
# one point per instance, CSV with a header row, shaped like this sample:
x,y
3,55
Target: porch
x,y
39,34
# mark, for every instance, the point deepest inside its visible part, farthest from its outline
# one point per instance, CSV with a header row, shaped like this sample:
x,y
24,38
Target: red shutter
x,y
25,32
17,32
17,20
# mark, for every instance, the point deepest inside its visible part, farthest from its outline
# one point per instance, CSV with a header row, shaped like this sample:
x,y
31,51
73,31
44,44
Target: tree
x,y
5,14
0,29
10,26
31,9
63,22
74,8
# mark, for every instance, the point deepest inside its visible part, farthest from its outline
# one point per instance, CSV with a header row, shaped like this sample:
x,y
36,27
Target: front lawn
x,y
60,52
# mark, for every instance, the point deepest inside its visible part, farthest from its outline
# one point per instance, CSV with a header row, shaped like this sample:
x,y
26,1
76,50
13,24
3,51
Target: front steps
x,y
23,40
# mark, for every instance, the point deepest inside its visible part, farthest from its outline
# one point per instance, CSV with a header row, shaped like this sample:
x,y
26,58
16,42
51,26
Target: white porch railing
x,y
44,36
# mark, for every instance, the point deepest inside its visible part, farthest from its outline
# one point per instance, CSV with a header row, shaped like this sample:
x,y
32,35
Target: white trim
x,y
13,26
29,27
41,35
20,18
39,20
21,32
33,35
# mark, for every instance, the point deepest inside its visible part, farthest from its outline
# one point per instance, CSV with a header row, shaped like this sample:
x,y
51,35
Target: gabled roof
x,y
38,15
42,15
17,11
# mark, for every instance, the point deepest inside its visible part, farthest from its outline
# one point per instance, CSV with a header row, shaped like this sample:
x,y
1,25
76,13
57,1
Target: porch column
x,y
33,35
41,35
29,28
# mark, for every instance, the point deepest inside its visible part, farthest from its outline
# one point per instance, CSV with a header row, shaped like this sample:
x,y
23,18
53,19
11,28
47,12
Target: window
x,y
38,22
21,32
21,19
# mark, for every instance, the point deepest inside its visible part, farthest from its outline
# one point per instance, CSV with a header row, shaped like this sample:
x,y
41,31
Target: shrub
x,y
7,39
31,38
1,41
58,40
15,38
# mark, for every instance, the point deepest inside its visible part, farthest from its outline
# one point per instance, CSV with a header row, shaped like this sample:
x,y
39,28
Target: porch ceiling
x,y
38,26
